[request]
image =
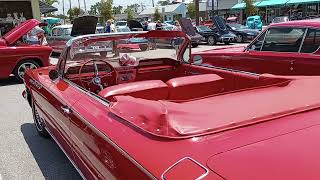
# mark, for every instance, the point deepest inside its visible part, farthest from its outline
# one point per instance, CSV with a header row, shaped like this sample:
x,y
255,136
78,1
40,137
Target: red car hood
x,y
290,156
224,49
17,32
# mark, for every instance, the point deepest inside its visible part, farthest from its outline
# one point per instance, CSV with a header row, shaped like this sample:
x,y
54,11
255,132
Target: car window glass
x,y
283,39
256,46
57,32
67,31
311,42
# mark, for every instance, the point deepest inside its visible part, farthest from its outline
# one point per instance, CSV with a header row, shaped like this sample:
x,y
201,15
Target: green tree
x,y
250,8
95,9
134,7
191,10
163,2
117,9
157,16
129,14
75,12
106,9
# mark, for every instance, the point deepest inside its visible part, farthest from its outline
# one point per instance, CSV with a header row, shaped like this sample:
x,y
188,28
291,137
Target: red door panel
x,y
95,153
264,62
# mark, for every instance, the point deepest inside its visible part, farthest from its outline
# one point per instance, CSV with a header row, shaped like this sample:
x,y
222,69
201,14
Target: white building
x,y
169,12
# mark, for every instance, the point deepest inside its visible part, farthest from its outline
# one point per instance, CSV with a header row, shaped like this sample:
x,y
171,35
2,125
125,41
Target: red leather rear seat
x,y
190,87
152,90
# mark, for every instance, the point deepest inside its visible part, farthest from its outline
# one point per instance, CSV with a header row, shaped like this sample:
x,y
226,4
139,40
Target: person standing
x,y
108,27
158,25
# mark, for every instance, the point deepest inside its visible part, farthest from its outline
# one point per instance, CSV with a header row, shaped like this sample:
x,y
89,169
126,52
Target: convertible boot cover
x,y
218,113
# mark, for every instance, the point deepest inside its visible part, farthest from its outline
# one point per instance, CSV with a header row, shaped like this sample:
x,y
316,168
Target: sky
x,y
124,3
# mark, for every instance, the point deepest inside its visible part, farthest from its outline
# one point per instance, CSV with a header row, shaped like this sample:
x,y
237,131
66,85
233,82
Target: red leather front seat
x,y
190,87
151,89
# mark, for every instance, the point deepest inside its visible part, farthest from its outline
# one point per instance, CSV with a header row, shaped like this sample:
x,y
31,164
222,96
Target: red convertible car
x,y
16,55
289,48
166,116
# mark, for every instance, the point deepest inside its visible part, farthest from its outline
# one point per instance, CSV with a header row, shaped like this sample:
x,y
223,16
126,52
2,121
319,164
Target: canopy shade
x,y
302,1
272,3
243,5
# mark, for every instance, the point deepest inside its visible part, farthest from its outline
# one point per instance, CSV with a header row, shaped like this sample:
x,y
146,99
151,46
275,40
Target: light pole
x,y
64,16
197,11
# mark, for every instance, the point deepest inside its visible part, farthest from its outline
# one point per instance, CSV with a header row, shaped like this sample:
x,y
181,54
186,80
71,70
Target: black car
x,y
224,34
242,32
209,36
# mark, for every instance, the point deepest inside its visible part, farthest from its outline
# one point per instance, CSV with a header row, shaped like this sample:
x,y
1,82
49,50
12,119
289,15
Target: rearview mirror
x,y
53,74
197,59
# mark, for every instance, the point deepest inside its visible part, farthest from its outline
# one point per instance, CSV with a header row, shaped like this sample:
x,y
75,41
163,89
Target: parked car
x,y
254,22
16,56
242,32
132,43
51,22
220,27
120,24
169,117
289,48
209,36
61,34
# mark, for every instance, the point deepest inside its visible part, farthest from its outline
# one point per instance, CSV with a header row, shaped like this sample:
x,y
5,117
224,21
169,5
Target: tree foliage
x,y
250,8
134,7
157,16
117,9
75,12
95,9
106,9
129,14
164,2
103,9
191,10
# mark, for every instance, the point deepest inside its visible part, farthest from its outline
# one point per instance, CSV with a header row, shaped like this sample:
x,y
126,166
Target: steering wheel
x,y
96,80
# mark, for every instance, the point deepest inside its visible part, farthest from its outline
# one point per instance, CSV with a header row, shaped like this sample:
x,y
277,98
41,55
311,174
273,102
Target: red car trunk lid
x,y
16,33
290,156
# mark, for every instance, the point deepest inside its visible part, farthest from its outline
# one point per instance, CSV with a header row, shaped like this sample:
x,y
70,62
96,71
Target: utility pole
x,y
197,11
70,5
85,6
212,8
64,16
152,3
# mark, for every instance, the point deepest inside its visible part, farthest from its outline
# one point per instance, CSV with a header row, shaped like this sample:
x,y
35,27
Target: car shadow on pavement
x,y
49,157
10,81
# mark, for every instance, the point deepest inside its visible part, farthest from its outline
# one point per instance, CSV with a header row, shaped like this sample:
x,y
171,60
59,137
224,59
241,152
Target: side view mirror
x,y
197,59
53,74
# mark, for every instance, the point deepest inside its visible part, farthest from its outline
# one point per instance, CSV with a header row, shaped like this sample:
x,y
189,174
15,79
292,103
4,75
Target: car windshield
x,y
203,28
124,29
67,31
238,26
113,47
121,23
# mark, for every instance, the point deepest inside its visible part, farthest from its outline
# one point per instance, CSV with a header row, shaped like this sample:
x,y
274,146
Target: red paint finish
x,y
11,53
256,61
267,127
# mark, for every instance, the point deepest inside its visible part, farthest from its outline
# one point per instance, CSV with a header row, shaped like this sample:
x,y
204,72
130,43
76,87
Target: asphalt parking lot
x,y
24,154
